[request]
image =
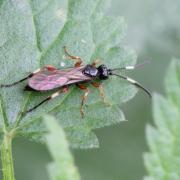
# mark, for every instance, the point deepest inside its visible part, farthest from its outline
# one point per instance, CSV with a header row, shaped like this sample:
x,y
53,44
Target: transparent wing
x,y
48,79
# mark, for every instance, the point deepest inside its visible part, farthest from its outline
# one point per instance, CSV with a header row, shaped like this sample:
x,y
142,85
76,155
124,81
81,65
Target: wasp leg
x,y
50,68
65,89
101,92
84,97
95,62
15,83
76,58
21,80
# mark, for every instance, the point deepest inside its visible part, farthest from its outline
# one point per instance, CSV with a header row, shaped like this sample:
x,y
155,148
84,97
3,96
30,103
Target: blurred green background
x,y
154,32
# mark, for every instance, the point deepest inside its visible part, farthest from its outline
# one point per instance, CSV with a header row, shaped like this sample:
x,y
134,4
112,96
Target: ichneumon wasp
x,y
49,78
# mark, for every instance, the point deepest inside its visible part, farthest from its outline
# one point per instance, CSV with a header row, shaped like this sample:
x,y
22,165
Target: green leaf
x,y
172,83
63,166
163,162
1,137
32,34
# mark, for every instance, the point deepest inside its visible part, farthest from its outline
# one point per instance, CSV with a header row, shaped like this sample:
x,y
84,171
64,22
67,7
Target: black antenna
x,y
131,67
132,81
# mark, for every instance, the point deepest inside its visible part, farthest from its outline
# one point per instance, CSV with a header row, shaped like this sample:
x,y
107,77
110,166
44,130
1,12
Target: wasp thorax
x,y
103,72
90,71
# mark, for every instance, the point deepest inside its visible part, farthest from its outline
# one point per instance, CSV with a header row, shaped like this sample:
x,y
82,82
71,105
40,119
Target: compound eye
x,y
103,72
104,76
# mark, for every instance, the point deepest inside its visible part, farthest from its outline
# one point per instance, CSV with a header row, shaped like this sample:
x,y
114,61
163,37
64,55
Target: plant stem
x,y
6,157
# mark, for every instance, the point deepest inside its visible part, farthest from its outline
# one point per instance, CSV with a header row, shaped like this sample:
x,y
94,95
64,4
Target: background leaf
x,y
63,166
164,141
33,34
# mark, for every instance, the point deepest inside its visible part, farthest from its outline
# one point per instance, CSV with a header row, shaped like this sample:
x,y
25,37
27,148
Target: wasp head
x,y
103,72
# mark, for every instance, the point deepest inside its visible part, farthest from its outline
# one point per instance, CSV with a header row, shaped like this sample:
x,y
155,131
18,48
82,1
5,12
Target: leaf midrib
x,y
43,53
19,117
38,44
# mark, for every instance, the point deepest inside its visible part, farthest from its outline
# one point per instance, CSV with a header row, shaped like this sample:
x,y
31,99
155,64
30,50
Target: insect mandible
x,y
49,78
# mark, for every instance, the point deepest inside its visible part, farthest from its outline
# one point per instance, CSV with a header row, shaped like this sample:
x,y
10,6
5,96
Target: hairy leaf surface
x,y
62,166
164,141
32,34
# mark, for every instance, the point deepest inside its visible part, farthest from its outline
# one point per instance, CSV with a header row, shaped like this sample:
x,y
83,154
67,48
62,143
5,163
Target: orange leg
x,y
84,97
76,58
50,68
95,62
101,92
